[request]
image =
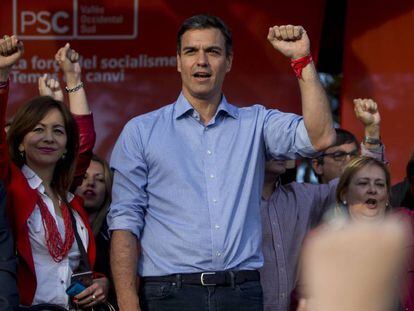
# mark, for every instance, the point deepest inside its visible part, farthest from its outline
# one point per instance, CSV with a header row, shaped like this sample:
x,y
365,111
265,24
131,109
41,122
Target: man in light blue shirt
x,y
188,179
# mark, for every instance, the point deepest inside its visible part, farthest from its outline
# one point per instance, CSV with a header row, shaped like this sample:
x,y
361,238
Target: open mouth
x,y
202,75
372,203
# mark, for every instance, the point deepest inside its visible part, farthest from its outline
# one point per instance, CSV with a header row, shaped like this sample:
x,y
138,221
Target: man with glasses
x,y
331,163
289,211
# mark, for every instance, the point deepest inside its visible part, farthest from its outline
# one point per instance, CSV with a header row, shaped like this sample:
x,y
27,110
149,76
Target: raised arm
x,y
68,61
11,49
48,86
366,111
293,42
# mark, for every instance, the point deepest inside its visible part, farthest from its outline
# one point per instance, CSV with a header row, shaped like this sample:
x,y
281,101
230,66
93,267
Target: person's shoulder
x,y
153,115
255,111
295,190
150,118
305,191
302,186
251,108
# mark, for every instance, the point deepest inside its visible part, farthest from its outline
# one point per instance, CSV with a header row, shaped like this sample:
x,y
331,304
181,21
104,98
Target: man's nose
x,y
202,59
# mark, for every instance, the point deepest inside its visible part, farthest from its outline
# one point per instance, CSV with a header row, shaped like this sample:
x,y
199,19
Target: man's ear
x,y
178,62
229,60
317,167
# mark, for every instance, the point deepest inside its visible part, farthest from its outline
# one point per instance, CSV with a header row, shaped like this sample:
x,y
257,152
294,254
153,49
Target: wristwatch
x,y
372,141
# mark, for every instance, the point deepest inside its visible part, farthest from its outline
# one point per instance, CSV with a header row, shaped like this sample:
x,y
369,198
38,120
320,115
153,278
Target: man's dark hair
x,y
204,21
344,137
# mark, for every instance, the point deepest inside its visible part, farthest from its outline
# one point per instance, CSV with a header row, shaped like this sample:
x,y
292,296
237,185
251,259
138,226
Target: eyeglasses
x,y
341,155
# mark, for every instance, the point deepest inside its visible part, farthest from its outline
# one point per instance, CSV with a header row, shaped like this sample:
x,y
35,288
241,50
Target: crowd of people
x,y
190,214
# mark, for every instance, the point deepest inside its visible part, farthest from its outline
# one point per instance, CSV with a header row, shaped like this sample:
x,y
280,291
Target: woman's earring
x,y
22,154
344,202
63,156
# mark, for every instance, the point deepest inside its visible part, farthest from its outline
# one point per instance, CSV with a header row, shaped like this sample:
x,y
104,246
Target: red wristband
x,y
300,63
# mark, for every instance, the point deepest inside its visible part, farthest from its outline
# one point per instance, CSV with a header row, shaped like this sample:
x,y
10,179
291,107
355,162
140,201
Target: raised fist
x,y
291,41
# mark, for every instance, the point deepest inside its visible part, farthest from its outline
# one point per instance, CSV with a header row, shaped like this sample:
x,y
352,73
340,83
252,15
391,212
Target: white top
x,y
52,277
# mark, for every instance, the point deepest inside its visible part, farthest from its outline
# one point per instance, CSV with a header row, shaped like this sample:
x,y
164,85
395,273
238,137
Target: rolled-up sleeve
x,y
129,196
285,136
377,153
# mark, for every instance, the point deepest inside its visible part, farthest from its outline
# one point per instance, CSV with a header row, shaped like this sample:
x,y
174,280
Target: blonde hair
x,y
354,166
103,210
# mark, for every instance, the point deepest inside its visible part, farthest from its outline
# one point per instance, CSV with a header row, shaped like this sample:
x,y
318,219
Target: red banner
x,y
129,52
379,64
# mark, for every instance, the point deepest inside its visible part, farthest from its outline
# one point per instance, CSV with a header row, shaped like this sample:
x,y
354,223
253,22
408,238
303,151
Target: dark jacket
x,y
9,297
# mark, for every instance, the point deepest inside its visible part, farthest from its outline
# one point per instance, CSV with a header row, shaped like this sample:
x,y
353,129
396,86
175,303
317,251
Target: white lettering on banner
x,y
87,22
95,69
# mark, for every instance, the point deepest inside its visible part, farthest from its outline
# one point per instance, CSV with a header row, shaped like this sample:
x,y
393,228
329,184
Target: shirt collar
x,y
35,182
33,179
182,106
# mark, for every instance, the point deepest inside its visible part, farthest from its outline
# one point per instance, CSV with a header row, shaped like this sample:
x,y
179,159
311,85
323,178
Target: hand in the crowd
x,y
291,41
48,86
343,260
302,305
11,49
68,60
366,110
94,294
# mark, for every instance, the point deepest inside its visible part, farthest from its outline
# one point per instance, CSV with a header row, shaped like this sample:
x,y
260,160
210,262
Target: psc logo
x,y
32,20
76,19
44,22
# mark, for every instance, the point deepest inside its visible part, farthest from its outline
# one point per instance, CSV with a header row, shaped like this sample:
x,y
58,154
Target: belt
x,y
208,278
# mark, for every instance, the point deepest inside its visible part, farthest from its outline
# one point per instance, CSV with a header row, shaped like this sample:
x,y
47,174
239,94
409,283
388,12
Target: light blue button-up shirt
x,y
191,193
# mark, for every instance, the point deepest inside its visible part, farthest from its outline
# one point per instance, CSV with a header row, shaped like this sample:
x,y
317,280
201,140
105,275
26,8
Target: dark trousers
x,y
161,296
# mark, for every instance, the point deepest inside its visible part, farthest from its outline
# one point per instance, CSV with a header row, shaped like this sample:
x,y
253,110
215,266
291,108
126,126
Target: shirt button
x,y
211,175
214,200
282,295
218,254
217,226
62,282
209,152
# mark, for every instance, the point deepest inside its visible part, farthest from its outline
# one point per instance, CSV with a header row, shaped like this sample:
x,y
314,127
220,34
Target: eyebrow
x,y
367,178
209,48
54,125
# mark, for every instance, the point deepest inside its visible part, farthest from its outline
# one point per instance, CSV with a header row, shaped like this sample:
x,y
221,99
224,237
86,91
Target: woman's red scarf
x,y
57,248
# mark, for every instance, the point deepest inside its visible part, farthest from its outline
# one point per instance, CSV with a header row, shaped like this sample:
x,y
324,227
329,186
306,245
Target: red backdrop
x,y
379,63
129,50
